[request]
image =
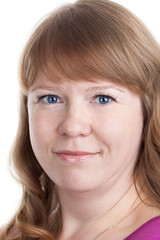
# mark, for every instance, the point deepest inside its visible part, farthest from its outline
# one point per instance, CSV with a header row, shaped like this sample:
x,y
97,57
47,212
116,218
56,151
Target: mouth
x,y
75,156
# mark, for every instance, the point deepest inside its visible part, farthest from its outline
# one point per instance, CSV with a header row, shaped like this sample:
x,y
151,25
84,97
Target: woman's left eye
x,y
102,99
49,99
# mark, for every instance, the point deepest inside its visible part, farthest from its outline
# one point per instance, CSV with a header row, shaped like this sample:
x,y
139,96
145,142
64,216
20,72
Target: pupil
x,y
104,100
52,99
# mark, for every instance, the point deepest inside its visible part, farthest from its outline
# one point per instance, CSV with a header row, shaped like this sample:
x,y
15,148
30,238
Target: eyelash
x,y
41,97
102,94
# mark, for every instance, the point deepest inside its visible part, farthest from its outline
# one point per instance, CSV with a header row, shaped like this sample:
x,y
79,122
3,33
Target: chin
x,y
79,184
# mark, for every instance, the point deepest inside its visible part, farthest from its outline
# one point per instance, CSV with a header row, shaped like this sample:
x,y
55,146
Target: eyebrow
x,y
90,89
102,88
55,88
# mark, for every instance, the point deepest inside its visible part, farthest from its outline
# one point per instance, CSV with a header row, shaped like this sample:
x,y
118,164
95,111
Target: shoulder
x,y
148,231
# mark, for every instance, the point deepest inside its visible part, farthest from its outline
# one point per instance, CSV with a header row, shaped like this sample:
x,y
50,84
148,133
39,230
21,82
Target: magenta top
x,y
148,231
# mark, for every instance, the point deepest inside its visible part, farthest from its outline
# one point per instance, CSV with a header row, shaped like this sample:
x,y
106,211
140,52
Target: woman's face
x,y
84,134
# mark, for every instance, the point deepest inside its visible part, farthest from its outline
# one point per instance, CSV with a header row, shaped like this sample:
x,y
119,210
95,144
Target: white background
x,y
17,20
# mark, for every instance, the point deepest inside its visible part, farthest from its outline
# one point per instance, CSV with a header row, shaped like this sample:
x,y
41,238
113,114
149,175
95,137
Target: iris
x,y
104,99
51,99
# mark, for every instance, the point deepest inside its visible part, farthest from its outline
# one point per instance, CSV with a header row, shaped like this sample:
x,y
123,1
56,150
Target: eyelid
x,y
40,98
103,94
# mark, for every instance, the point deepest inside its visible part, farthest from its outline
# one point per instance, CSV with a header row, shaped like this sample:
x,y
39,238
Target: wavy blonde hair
x,y
78,41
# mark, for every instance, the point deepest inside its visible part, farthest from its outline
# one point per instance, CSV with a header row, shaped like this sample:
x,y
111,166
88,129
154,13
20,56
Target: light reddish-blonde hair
x,y
79,41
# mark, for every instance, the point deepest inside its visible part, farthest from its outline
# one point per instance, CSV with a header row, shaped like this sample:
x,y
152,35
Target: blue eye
x,y
102,99
50,99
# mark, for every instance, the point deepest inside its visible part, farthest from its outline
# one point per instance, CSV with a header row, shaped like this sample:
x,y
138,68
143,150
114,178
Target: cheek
x,y
42,130
123,128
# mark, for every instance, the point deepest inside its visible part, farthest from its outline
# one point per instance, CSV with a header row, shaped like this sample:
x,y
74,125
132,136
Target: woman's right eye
x,y
51,99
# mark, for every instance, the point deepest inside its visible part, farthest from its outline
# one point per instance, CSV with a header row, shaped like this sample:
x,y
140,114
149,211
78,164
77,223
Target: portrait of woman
x,y
87,149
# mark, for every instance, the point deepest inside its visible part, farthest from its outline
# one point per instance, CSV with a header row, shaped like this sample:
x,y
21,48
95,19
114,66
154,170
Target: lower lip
x,y
75,158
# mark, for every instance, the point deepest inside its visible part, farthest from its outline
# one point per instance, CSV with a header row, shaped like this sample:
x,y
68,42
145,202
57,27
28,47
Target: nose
x,y
76,122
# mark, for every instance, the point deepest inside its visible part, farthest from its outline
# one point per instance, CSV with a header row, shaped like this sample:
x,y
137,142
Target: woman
x,y
87,150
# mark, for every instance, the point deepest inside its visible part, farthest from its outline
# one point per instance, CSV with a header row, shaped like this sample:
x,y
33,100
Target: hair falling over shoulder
x,y
80,40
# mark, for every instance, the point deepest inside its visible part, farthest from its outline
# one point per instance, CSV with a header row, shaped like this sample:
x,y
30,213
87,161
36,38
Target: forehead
x,y
62,83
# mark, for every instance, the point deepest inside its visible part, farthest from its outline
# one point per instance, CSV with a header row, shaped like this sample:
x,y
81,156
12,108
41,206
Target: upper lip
x,y
68,152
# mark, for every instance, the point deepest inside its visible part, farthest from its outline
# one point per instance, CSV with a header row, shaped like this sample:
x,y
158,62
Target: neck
x,y
102,206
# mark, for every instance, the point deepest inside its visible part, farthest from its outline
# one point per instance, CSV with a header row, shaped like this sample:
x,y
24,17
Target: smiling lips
x,y
75,156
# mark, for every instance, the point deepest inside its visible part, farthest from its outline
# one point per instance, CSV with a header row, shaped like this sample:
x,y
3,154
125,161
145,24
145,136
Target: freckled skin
x,y
79,121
